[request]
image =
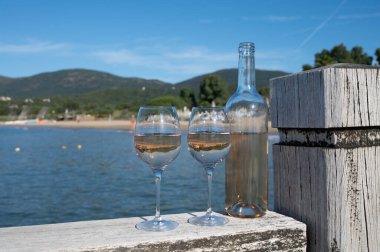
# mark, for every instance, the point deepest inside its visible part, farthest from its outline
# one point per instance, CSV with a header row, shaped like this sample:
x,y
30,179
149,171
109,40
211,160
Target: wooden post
x,y
327,164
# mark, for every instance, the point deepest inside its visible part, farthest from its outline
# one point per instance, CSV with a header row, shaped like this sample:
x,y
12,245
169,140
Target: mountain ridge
x,y
80,81
230,75
70,82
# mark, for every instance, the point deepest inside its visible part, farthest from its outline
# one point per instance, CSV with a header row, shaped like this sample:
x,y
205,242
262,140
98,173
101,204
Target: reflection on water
x,y
50,175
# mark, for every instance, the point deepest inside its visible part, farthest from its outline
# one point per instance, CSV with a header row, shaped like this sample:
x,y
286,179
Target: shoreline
x,y
99,124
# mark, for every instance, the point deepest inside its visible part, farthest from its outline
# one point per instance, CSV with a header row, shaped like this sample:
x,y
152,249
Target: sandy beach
x,y
100,124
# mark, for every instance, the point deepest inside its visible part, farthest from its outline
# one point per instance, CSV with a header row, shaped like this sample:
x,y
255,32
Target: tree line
x,y
213,90
340,54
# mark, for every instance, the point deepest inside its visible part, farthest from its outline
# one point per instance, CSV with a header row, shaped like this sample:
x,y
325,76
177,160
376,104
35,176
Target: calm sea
x,y
51,175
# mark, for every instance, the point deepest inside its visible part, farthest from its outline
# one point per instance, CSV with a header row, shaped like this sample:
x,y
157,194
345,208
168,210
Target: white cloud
x,y
192,60
359,16
121,56
201,53
272,18
274,59
32,47
165,58
177,64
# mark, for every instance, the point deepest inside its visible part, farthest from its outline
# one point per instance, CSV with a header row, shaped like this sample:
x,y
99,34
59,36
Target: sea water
x,y
52,175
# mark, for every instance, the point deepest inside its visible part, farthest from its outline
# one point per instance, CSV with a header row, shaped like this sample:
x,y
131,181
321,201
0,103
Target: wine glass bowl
x,y
157,150
157,142
208,142
209,149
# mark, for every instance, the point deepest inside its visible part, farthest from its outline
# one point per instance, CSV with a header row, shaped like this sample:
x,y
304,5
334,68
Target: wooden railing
x,y
327,165
274,232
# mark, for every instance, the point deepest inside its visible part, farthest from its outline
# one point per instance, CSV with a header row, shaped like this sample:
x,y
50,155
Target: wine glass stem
x,y
157,181
209,187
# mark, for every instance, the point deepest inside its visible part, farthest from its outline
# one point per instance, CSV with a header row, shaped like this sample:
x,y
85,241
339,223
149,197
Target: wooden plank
x,y
374,93
273,232
327,97
372,98
342,206
273,110
307,210
316,117
303,100
331,97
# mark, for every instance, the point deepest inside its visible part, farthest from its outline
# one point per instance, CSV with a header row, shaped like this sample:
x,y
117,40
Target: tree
x,y
188,96
34,110
359,56
71,105
167,100
306,67
4,108
340,54
377,53
213,89
103,110
323,58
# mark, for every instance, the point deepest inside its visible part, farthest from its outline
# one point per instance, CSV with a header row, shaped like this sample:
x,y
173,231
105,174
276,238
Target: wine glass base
x,y
245,210
157,226
208,220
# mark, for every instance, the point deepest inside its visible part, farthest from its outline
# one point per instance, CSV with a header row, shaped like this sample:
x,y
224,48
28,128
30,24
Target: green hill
x,y
4,80
70,82
80,81
231,77
100,93
123,98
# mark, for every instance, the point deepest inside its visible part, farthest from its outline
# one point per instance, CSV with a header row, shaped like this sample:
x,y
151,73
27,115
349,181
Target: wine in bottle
x,y
246,163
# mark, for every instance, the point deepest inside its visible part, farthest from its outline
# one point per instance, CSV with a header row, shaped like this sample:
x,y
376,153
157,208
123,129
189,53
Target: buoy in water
x,y
64,147
79,146
17,149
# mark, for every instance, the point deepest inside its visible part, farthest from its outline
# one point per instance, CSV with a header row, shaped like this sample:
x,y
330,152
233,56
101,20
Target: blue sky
x,y
176,40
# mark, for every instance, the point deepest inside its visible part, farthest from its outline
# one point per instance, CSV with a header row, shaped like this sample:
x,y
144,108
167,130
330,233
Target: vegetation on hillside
x,y
230,76
213,90
189,97
377,53
168,100
103,95
72,82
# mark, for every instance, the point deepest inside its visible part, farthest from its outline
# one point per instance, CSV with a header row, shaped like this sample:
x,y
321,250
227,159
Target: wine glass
x,y
209,142
157,142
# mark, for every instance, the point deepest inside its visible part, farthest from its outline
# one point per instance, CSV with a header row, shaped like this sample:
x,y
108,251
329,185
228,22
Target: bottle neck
x,y
246,79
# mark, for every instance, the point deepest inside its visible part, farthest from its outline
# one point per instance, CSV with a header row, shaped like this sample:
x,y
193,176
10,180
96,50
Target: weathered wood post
x,y
327,164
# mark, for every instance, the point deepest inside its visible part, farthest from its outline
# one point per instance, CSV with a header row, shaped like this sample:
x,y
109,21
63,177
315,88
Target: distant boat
x,y
24,114
23,122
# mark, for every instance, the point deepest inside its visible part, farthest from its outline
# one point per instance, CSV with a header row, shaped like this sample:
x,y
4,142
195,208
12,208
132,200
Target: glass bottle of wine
x,y
246,164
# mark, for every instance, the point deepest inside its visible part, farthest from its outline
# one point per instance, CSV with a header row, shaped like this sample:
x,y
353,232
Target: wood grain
x,y
332,97
273,232
336,137
335,191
